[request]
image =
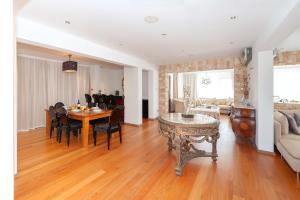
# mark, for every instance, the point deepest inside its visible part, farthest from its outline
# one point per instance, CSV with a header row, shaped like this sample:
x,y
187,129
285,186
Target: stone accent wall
x,y
287,58
286,106
240,76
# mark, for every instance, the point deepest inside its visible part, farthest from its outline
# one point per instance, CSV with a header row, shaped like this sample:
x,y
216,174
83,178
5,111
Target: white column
x,y
6,100
264,107
153,94
133,95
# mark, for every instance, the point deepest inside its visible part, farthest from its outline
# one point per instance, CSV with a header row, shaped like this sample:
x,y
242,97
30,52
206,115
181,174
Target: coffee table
x,y
184,133
213,111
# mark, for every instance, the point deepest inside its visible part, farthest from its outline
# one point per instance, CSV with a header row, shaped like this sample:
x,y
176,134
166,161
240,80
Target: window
x,y
286,82
207,84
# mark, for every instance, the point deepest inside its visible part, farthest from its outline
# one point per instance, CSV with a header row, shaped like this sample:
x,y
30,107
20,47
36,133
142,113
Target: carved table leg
x,y
214,148
179,157
170,144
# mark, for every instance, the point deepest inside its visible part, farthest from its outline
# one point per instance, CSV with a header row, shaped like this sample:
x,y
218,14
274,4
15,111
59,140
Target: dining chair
x,y
88,98
114,125
67,124
58,105
53,120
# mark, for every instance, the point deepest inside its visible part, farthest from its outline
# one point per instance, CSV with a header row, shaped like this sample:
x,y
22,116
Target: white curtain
x,y
220,86
190,80
42,83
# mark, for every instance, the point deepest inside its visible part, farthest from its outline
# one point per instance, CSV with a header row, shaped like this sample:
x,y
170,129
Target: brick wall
x,y
240,76
287,58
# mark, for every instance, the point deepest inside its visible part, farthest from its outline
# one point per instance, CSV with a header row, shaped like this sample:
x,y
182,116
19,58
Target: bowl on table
x,y
95,109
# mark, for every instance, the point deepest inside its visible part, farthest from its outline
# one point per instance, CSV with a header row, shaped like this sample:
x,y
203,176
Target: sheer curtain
x,y
220,86
187,79
42,83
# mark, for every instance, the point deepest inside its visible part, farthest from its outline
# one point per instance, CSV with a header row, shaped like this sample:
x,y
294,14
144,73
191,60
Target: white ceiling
x,y
194,28
292,42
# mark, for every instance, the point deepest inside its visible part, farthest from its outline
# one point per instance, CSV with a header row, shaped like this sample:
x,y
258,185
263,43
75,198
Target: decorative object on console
x,y
69,66
187,102
243,122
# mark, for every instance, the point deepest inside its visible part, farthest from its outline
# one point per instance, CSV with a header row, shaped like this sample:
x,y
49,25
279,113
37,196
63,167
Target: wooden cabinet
x,y
243,122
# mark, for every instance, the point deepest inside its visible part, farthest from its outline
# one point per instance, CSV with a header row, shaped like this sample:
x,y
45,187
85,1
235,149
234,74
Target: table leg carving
x,y
170,144
179,157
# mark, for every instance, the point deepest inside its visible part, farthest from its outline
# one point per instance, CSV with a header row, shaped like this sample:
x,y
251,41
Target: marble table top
x,y
198,121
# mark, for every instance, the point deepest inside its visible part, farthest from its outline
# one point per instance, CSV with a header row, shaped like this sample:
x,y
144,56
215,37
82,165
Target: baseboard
x,y
153,119
266,152
135,125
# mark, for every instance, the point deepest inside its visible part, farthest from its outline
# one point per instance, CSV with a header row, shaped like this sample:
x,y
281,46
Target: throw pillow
x,y
292,123
297,118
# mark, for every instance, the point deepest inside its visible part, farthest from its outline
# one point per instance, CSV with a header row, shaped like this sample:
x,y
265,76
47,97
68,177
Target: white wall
x,y
145,84
153,84
7,59
264,115
133,95
107,80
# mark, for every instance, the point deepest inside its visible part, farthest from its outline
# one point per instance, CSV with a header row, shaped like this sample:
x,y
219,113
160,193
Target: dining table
x,y
85,117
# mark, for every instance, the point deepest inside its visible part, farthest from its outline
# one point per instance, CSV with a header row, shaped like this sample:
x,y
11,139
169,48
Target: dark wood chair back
x,y
96,97
52,113
88,98
58,105
115,117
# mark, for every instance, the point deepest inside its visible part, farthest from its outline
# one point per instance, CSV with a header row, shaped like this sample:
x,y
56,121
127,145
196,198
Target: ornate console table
x,y
184,133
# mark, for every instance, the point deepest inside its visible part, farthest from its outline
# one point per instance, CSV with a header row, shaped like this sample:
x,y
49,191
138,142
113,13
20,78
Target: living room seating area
x,y
286,140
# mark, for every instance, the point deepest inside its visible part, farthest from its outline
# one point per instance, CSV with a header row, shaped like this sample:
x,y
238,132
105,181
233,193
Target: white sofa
x,y
223,104
287,143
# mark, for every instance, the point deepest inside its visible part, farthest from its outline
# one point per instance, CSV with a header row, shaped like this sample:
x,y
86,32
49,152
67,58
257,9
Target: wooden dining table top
x,y
87,113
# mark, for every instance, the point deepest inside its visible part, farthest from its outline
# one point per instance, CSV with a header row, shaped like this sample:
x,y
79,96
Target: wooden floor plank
x,y
142,168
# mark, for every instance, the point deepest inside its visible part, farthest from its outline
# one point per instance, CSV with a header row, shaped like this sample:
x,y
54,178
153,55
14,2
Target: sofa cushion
x,y
283,122
291,146
292,137
293,127
297,118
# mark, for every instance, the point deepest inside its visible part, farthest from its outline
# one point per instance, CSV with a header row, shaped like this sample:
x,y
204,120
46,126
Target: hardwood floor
x,y
142,168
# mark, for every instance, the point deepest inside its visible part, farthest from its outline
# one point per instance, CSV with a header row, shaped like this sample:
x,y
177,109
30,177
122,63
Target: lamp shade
x,y
69,66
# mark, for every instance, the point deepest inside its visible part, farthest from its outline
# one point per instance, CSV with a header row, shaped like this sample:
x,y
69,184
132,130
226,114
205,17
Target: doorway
x,y
145,94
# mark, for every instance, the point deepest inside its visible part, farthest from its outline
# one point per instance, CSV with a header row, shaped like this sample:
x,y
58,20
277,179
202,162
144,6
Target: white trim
x,y
51,60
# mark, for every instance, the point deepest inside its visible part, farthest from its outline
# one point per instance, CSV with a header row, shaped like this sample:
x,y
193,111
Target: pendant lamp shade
x,y
69,66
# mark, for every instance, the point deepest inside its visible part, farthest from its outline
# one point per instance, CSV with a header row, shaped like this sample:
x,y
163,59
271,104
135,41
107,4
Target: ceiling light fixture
x,y
233,17
69,66
151,19
164,34
67,22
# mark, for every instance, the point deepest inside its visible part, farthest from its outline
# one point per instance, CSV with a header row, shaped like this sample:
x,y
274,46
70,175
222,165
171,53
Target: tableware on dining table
x,y
75,110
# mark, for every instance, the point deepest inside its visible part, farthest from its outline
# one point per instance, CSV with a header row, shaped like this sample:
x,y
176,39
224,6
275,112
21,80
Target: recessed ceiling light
x,y
67,22
233,17
163,34
121,44
151,19
231,43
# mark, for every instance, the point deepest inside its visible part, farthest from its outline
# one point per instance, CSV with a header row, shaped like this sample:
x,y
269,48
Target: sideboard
x,y
243,122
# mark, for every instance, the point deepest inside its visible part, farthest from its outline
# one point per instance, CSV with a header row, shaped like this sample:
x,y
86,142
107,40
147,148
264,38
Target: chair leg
x,y
68,136
298,176
58,135
120,134
51,130
95,137
108,140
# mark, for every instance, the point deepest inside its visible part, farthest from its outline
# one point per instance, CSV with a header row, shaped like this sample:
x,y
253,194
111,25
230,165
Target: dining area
x,y
81,120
